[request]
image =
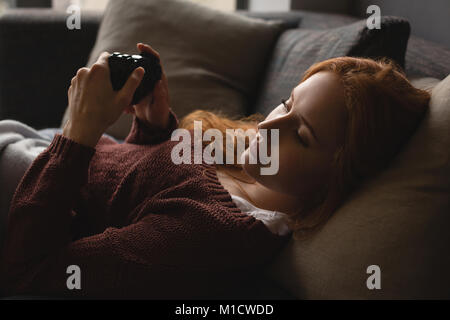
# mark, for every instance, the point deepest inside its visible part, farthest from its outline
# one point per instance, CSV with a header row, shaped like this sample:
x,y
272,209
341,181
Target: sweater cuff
x,y
144,133
69,150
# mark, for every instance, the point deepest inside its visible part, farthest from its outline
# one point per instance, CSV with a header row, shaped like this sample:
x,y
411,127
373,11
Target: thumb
x,y
159,93
132,83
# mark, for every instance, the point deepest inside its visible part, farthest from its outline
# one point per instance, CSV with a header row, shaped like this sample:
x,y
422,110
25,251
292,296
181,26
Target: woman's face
x,y
311,128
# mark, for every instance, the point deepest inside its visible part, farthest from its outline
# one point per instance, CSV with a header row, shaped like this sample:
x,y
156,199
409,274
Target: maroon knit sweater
x,y
136,224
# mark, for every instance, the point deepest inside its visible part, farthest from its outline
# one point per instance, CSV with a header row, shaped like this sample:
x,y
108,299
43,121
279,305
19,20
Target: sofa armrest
x,y
290,19
39,56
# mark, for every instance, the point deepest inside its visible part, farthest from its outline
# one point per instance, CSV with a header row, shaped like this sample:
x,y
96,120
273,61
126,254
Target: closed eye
x,y
283,101
303,141
300,138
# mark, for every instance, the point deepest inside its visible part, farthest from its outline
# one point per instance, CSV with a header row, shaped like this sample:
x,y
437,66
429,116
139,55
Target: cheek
x,y
253,170
300,172
288,178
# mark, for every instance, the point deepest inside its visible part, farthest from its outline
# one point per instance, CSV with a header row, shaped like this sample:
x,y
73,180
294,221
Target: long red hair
x,y
383,111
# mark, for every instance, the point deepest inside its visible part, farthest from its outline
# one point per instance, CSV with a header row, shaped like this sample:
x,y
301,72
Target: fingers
x,y
126,93
103,58
146,48
142,47
101,64
160,95
159,92
82,72
164,78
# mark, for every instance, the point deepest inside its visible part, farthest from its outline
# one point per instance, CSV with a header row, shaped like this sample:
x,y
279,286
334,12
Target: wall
x,y
335,6
269,5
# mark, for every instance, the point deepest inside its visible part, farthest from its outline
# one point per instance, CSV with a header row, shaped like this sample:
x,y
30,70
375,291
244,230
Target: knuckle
x,y
82,71
103,56
97,67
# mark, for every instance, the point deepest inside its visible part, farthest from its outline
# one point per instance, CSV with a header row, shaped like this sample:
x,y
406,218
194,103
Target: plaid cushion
x,y
296,50
423,58
427,59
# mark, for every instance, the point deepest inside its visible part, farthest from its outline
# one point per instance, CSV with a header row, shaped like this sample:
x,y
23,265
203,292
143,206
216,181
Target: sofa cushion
x,y
427,59
427,83
291,19
399,221
296,50
423,58
207,56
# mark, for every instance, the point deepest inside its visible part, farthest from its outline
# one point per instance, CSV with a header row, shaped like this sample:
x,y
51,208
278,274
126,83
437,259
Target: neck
x,y
257,194
269,199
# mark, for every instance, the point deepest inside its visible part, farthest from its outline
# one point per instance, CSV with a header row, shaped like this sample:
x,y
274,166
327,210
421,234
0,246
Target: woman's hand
x,y
93,104
154,108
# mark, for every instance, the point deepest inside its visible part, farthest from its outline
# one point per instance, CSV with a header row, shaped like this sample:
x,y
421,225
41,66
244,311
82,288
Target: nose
x,y
282,122
278,121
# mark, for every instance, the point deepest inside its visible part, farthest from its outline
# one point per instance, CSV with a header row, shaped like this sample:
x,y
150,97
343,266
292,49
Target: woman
x,y
134,224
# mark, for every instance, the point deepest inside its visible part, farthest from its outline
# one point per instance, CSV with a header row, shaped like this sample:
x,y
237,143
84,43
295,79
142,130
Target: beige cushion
x,y
426,83
399,221
212,59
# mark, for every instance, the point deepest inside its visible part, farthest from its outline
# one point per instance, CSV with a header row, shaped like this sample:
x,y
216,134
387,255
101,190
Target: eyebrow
x,y
304,120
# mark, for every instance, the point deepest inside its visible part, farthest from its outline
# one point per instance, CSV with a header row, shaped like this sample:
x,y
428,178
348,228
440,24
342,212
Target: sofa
x,y
39,56
31,38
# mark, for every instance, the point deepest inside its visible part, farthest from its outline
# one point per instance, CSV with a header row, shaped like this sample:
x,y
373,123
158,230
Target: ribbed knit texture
x,y
136,224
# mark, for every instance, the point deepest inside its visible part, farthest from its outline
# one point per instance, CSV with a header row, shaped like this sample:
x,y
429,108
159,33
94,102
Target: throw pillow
x,y
296,50
213,60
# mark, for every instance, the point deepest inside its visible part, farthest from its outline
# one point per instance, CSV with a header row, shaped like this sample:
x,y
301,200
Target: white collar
x,y
276,222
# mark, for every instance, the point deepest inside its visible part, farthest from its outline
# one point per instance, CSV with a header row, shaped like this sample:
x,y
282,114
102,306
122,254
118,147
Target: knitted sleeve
x,y
39,254
181,254
145,134
41,209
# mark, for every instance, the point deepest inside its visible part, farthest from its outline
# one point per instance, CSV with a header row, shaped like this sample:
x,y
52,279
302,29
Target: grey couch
x,y
39,56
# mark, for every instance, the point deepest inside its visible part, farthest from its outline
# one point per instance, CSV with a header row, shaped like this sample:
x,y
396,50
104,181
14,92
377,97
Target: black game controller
x,y
122,65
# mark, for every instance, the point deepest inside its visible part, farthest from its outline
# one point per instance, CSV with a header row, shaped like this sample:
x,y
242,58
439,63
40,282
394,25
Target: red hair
x,y
383,111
